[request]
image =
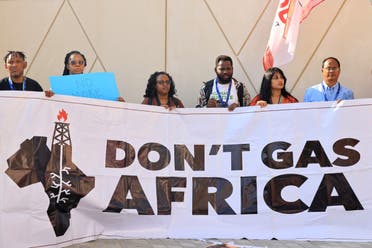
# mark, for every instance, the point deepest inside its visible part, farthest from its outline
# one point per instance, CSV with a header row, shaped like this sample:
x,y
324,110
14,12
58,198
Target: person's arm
x,y
202,101
350,95
246,96
180,104
307,96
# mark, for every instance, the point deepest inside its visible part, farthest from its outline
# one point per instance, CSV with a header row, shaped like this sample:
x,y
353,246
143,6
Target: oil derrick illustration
x,y
64,183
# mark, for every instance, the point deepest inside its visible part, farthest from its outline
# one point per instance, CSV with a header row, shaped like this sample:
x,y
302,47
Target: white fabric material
x,y
283,36
23,211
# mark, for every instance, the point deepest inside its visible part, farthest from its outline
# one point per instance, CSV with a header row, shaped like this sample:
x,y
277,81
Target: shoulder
x,y
314,93
4,81
348,93
314,89
32,81
208,84
146,100
292,99
4,85
207,87
238,84
178,102
345,88
255,100
33,84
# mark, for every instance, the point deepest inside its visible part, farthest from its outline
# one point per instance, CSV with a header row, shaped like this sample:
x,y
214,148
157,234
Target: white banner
x,y
75,169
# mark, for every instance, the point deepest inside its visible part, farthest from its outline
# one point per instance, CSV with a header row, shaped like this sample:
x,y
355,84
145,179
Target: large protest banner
x,y
75,169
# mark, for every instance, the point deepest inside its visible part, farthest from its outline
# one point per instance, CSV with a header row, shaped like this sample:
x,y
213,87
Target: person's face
x,y
224,71
15,66
162,84
277,81
330,72
76,64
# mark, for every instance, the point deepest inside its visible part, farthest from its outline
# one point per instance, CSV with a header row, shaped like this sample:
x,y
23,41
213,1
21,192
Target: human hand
x,y
212,103
121,99
233,106
49,93
262,103
170,108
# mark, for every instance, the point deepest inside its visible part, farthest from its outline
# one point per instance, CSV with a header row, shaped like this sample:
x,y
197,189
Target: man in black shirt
x,y
15,64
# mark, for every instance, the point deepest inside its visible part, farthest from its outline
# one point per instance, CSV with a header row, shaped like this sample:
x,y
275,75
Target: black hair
x,y
335,59
67,60
265,91
16,53
223,58
151,85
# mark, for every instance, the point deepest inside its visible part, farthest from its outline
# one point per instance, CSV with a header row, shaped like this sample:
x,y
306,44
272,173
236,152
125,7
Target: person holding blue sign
x,y
15,64
74,65
223,91
160,91
330,89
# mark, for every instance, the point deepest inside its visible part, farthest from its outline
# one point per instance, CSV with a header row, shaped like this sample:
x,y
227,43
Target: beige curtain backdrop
x,y
135,38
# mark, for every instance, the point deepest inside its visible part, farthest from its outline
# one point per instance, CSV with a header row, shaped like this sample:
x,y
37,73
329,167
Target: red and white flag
x,y
283,37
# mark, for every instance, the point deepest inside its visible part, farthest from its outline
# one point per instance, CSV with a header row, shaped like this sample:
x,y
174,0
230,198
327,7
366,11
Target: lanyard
x,y
325,95
11,85
223,103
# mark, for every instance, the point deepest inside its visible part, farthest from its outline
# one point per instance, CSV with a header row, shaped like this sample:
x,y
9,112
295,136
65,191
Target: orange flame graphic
x,y
62,115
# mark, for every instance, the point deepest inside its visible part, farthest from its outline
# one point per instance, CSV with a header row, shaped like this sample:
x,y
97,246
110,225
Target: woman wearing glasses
x,y
75,63
160,91
273,89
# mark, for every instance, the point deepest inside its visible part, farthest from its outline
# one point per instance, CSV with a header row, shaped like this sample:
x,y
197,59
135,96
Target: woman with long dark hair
x,y
273,89
160,91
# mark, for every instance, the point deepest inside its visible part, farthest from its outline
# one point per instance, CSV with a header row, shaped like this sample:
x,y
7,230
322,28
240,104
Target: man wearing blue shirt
x,y
330,89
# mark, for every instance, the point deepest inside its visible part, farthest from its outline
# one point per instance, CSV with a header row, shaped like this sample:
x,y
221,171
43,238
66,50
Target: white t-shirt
x,y
224,88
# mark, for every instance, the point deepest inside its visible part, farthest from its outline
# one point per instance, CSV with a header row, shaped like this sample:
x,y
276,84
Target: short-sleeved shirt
x,y
322,93
224,93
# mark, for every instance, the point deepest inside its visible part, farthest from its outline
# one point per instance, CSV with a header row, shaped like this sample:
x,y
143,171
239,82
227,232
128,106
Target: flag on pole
x,y
283,37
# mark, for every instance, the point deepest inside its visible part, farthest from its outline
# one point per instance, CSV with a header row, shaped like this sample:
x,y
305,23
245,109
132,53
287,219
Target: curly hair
x,y
151,85
265,91
67,60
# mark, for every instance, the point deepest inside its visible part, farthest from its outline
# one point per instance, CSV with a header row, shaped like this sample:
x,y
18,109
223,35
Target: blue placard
x,y
100,85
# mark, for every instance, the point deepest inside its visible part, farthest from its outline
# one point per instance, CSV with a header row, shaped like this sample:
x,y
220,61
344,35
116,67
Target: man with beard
x,y
15,64
223,91
330,89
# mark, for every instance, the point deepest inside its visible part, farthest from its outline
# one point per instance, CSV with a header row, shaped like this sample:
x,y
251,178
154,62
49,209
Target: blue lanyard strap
x,y
337,93
223,103
11,85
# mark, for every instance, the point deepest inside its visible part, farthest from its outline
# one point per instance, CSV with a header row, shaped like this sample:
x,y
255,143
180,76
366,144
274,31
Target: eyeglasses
x,y
79,62
331,68
167,82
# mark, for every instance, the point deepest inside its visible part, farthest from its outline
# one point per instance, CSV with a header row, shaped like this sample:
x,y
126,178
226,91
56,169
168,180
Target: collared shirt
x,y
322,93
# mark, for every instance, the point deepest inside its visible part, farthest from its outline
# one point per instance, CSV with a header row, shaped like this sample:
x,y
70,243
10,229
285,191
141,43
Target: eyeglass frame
x,y
79,62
